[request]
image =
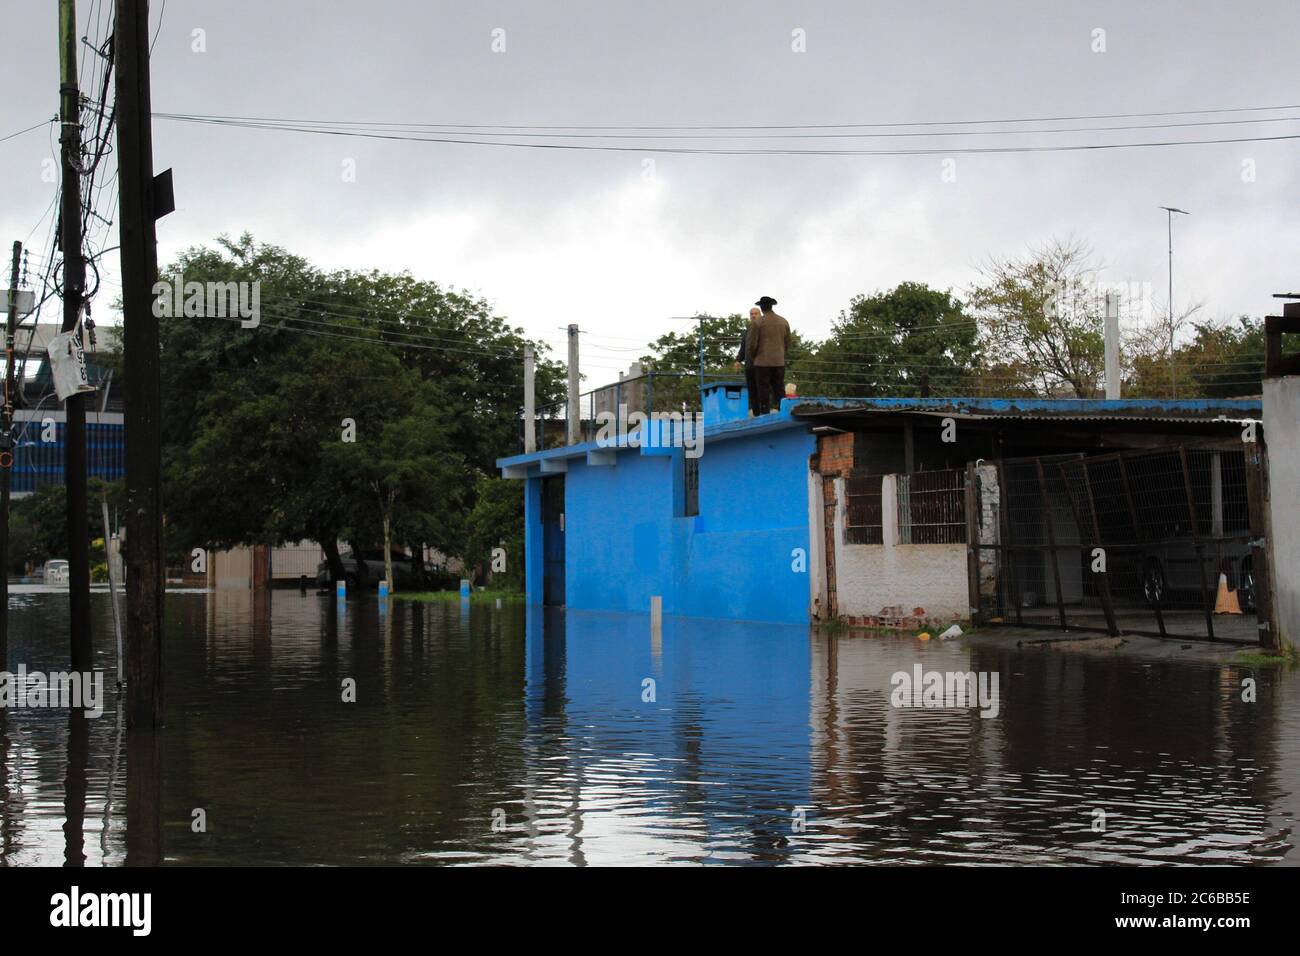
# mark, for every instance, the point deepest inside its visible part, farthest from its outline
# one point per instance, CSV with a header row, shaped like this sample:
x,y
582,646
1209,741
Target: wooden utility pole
x,y
7,454
74,281
142,393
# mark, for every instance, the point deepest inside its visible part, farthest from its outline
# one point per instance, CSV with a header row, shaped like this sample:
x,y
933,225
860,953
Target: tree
x,y
497,521
1220,361
411,473
911,340
39,522
254,418
676,357
1043,318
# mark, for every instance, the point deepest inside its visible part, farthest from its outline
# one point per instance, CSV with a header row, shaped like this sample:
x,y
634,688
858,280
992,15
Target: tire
x,y
1153,582
1246,583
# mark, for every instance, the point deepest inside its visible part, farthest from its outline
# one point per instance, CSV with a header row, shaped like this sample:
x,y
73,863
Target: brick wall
x,y
835,453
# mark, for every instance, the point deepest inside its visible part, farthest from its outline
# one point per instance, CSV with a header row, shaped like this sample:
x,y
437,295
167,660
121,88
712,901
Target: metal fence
x,y
932,507
863,508
646,394
1145,542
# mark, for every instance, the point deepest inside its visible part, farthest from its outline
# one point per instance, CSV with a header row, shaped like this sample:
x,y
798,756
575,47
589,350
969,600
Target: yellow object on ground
x,y
1226,601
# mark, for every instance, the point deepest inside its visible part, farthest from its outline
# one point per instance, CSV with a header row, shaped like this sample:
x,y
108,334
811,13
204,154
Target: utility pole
x,y
530,401
1169,211
7,454
74,280
142,392
1112,345
575,413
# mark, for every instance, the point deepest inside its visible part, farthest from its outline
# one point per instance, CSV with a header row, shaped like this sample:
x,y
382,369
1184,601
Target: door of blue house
x,y
553,540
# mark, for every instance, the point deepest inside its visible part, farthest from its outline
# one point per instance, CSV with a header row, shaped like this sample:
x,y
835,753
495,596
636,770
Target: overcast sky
x,y
604,240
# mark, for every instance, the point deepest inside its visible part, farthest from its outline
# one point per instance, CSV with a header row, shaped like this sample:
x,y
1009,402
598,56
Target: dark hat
x,y
766,302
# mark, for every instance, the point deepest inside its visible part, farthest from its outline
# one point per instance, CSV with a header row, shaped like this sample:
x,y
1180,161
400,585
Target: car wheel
x,y
1153,582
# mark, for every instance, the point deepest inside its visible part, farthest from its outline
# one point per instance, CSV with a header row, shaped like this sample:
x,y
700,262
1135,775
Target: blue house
x,y
856,508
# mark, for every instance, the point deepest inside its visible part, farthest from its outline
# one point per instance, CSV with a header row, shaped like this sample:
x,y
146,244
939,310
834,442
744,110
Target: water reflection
x,y
478,734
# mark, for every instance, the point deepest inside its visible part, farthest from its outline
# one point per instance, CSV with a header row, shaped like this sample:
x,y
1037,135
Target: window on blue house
x,y
691,483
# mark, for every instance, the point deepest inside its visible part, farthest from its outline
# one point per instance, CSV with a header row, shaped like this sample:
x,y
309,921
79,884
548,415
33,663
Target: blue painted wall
x,y
625,541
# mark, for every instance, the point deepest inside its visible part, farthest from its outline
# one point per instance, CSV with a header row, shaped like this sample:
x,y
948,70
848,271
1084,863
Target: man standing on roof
x,y
766,346
742,355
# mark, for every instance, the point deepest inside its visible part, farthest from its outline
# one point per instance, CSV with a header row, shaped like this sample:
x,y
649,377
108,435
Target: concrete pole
x,y
1112,345
74,280
10,397
575,419
530,401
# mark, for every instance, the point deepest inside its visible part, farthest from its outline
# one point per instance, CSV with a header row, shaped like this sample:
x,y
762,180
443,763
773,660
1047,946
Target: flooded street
x,y
517,735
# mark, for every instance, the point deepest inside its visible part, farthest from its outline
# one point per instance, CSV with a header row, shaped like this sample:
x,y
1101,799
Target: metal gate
x,y
1140,542
553,570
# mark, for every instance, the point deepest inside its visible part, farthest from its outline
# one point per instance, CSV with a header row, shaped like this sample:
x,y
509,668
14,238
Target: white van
x,y
56,571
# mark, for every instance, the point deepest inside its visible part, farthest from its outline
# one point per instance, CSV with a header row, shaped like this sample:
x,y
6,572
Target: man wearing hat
x,y
766,345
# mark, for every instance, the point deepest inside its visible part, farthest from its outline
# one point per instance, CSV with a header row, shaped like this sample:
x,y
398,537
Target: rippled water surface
x,y
486,735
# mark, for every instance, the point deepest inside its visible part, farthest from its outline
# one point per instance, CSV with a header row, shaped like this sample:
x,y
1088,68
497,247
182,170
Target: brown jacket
x,y
768,340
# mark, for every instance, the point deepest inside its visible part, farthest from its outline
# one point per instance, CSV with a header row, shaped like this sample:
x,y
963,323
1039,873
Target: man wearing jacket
x,y
766,346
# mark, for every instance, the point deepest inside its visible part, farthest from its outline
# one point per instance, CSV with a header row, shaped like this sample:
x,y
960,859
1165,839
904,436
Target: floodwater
x,y
485,735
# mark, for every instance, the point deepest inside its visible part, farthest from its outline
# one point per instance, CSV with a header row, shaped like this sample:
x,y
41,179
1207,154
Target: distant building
x,y
39,419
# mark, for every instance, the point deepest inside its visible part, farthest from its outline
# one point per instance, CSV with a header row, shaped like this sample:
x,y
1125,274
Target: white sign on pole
x,y
68,365
26,302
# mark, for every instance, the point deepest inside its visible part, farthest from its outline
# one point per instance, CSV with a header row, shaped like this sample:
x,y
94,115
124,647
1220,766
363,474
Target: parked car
x,y
407,578
1169,575
56,571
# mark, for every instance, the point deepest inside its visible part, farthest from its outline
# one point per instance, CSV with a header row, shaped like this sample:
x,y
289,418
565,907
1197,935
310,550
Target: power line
x,y
718,151
27,130
877,125
409,127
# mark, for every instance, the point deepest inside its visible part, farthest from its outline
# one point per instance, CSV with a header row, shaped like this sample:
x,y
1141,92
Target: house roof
x,y
1045,409
713,432
796,412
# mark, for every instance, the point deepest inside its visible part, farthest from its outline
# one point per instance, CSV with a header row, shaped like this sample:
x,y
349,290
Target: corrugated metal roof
x,y
1053,409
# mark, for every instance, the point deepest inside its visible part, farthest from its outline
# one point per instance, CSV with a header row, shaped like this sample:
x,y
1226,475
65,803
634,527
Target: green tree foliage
x,y
909,341
38,523
719,336
1220,361
497,521
254,418
1043,319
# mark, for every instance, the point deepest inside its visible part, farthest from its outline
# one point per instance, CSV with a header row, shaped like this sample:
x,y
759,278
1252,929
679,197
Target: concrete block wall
x,y
1282,435
898,585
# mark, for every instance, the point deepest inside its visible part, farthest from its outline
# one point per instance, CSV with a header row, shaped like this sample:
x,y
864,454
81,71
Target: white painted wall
x,y
816,549
1282,434
870,577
